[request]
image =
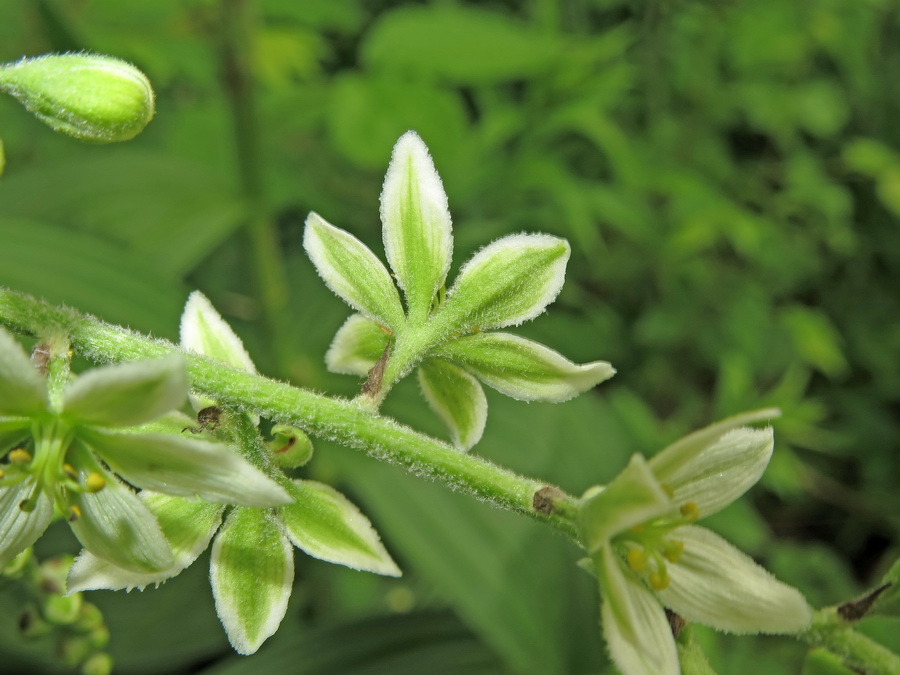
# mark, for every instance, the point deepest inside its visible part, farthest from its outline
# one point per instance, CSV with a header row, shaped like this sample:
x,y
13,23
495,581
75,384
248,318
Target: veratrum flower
x,y
646,552
251,583
64,448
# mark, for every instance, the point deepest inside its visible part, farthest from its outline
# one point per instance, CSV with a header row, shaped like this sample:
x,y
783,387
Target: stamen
x,y
27,505
672,550
19,456
690,510
637,559
659,580
669,491
74,513
70,471
94,482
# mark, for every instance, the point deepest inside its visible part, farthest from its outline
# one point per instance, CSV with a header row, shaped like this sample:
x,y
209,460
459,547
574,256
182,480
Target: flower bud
x,y
290,447
91,97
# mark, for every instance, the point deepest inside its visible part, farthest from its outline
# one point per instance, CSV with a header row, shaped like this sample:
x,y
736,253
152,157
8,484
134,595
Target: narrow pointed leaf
x,y
723,471
509,281
18,529
353,272
524,369
127,394
678,454
251,572
186,467
115,525
417,233
23,391
634,624
356,347
716,584
188,527
457,398
204,331
633,497
326,525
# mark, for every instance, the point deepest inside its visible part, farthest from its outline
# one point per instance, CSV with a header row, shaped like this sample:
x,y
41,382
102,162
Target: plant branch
x,y
347,422
830,630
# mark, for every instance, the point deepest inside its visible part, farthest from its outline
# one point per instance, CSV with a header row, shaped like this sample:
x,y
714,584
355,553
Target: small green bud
x,y
290,447
89,618
73,651
31,624
91,97
62,610
100,663
16,567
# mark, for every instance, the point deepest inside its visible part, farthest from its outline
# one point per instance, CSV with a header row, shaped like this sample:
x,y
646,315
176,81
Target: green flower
x,y
647,553
252,562
444,332
64,450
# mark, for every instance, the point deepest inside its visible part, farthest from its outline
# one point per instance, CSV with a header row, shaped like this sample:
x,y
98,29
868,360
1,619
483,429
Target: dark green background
x,y
728,174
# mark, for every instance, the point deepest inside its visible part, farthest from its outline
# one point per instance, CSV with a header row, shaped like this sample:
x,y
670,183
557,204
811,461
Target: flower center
x,y
649,546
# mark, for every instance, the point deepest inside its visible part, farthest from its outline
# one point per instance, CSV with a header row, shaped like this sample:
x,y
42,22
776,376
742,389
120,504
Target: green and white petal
x,y
457,398
356,347
353,272
18,529
114,524
23,392
326,525
204,331
524,369
674,457
12,432
127,394
251,572
723,471
506,283
634,624
633,497
716,584
186,467
188,527
416,228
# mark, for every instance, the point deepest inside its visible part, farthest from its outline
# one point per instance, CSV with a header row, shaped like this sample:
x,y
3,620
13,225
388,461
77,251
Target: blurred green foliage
x,y
728,175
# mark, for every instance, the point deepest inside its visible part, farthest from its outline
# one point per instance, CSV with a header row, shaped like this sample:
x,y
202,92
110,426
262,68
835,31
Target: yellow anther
x,y
94,482
70,471
2,473
672,551
19,456
659,580
669,491
74,513
637,559
690,510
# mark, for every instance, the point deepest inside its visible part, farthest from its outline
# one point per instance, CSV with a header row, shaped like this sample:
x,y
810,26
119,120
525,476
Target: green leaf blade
x,y
457,398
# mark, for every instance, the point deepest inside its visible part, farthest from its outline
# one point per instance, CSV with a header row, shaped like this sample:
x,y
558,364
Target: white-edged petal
x,y
18,529
356,347
353,272
114,524
416,227
524,369
634,624
204,331
326,525
251,572
457,398
12,432
23,392
506,283
186,467
716,584
723,471
633,497
126,394
188,527
681,452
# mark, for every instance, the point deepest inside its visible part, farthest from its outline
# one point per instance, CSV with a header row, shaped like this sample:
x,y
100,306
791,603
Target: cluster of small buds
x,y
76,626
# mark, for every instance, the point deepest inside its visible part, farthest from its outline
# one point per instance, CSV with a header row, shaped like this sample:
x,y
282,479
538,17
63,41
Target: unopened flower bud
x,y
100,663
62,610
91,97
290,447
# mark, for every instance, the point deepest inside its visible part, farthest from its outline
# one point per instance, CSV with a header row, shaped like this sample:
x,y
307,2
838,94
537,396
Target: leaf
x,y
23,392
324,524
457,398
356,347
524,369
127,394
251,572
418,238
353,272
506,283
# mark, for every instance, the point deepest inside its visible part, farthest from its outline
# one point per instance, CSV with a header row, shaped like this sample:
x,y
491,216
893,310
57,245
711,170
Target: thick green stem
x,y
347,422
859,652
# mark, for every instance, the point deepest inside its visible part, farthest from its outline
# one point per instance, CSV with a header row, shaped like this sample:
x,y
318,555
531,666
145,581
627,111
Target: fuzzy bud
x,y
91,97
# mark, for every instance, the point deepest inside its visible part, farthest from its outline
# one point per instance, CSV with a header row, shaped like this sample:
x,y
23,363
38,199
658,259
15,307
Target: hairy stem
x,y
347,422
858,651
